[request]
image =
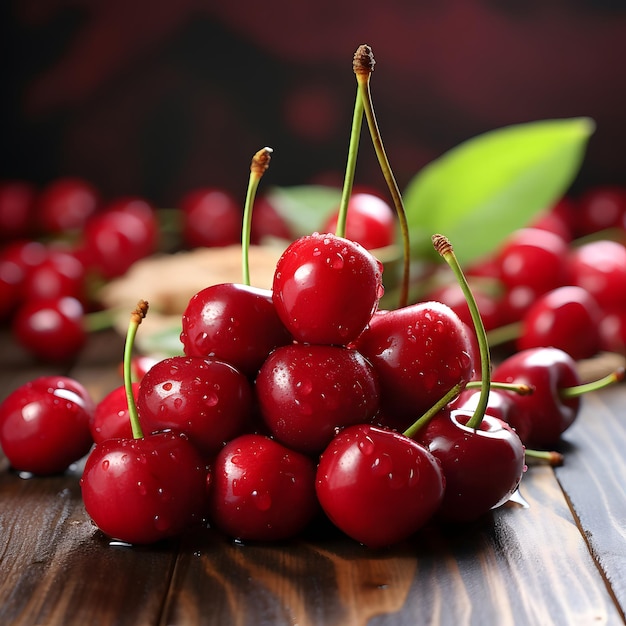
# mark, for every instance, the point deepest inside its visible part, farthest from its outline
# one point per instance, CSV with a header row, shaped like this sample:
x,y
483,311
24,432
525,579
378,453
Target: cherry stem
x,y
353,149
363,66
136,318
520,389
551,457
258,167
412,430
444,248
615,376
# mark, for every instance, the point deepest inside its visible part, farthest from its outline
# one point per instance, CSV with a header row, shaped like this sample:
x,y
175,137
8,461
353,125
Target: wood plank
x,y
594,478
524,565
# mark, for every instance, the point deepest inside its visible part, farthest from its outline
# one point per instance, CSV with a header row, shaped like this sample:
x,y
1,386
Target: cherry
x,y
66,204
262,490
211,217
17,200
207,399
546,413
600,268
419,353
52,330
370,222
378,486
235,323
567,318
111,419
601,207
307,392
326,289
44,424
146,489
558,219
267,223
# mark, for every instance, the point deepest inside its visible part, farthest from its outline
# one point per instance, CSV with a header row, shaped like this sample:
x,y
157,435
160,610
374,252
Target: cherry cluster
x,y
559,282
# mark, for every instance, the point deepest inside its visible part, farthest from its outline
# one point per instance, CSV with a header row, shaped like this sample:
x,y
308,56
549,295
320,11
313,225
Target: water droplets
x,y
262,500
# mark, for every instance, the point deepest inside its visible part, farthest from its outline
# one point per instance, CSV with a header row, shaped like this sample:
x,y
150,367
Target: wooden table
x,y
559,559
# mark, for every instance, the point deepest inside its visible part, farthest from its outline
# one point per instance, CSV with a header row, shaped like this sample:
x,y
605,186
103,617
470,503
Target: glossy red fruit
x,y
52,330
601,207
567,318
111,419
211,217
144,490
600,268
613,332
308,392
544,414
370,221
66,204
419,353
262,490
378,486
207,399
44,424
17,201
235,323
267,223
483,467
326,289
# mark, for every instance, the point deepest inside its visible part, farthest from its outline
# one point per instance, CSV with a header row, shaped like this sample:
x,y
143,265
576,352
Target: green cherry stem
x,y
444,248
420,423
520,389
353,149
136,318
258,167
551,457
363,66
615,376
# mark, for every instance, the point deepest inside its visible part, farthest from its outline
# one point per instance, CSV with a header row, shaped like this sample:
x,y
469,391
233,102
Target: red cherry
x,y
234,323
17,200
326,289
370,221
419,353
211,217
207,399
44,424
111,419
378,486
558,219
262,490
567,318
613,332
600,268
543,414
52,330
66,204
601,207
267,223
144,490
482,467
306,393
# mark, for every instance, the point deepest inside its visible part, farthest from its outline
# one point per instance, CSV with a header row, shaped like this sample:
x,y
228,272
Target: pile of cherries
x,y
298,403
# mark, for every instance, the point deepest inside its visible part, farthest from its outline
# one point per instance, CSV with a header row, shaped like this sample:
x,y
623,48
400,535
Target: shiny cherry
x,y
235,323
111,418
261,490
601,207
378,486
307,392
44,424
326,289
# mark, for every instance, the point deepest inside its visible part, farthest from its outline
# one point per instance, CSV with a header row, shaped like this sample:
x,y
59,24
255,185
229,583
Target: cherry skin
x,y
111,418
307,392
211,218
144,490
17,201
326,289
483,466
370,221
567,318
544,414
235,323
262,490
419,352
207,399
267,223
44,424
52,330
601,207
378,486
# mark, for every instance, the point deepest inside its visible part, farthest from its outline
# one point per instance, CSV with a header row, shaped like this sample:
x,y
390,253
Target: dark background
x,y
156,97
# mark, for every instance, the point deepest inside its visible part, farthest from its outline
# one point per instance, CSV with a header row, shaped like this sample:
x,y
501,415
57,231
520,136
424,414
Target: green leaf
x,y
305,208
487,187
